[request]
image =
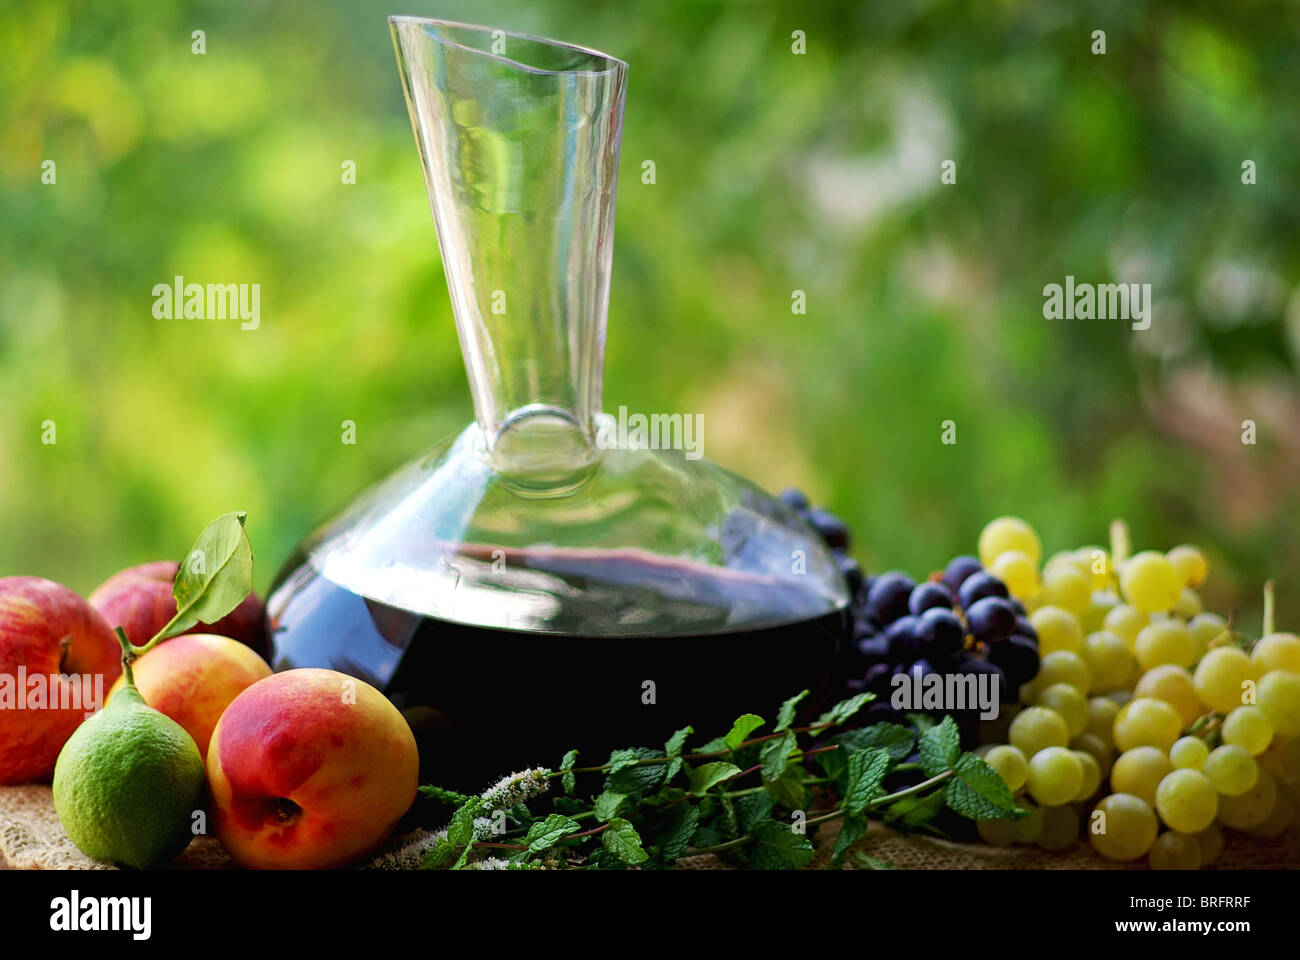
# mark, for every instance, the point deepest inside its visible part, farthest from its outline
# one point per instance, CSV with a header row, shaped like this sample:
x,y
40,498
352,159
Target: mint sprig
x,y
753,799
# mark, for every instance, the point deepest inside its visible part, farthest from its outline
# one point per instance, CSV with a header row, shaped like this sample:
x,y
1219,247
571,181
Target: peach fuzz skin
x,y
50,630
301,778
194,678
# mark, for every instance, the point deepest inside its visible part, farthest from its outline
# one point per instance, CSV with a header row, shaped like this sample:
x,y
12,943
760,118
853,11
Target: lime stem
x,y
1269,612
128,657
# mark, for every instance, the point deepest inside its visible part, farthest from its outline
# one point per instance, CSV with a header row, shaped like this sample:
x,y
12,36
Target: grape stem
x,y
1269,614
1120,544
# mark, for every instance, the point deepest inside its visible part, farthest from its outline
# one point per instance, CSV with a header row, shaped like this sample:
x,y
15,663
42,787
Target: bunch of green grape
x,y
1151,725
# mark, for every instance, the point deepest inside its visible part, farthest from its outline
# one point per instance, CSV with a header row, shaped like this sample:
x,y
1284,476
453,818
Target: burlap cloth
x,y
32,838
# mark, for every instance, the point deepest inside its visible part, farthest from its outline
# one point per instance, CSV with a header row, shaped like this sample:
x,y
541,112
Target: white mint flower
x,y
518,788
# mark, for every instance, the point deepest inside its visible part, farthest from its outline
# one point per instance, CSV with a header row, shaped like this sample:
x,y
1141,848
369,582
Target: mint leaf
x,y
775,754
920,721
893,739
676,838
621,760
785,716
214,578
545,834
745,724
622,840
976,791
460,832
911,812
752,808
568,780
778,847
441,854
677,741
853,829
608,804
674,766
866,769
716,745
633,777
939,747
844,709
787,790
708,775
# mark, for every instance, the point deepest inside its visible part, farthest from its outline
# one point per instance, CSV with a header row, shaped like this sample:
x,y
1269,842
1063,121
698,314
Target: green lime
x,y
127,783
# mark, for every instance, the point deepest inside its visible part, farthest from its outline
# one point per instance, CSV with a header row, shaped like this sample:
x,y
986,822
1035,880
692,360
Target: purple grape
x,y
940,633
888,596
978,586
1018,658
991,619
904,642
831,527
852,573
874,648
794,499
925,596
977,666
1025,629
959,568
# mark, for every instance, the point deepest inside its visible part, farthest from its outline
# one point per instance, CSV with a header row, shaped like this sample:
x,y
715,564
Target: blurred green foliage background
x,y
775,172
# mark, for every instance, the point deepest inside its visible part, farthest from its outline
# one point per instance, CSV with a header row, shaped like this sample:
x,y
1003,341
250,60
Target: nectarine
x,y
309,769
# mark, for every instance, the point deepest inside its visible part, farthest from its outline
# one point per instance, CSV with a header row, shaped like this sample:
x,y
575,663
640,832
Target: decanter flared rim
x,y
609,64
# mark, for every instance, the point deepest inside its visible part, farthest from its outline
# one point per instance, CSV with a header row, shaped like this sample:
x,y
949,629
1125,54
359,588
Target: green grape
x,y
1122,827
1204,627
1189,604
1222,676
1282,758
1057,629
1063,666
1139,772
1108,659
1037,728
1231,769
1189,563
1028,828
1055,775
1018,571
1096,564
1149,582
1008,533
1252,808
1165,641
1174,686
1126,623
1278,696
1066,560
1011,765
1186,801
1146,721
1279,820
996,833
1091,776
1067,588
1189,753
1101,719
1247,727
1102,603
1096,748
1210,840
1175,851
1060,828
1277,651
1069,703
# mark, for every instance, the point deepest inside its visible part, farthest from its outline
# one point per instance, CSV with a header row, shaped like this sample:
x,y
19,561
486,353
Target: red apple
x,y
57,660
139,600
309,769
193,678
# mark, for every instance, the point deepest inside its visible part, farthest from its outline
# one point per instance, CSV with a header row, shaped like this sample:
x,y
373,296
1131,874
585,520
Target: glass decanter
x,y
536,583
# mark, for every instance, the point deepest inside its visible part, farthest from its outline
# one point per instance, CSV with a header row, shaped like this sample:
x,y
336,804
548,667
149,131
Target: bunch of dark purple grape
x,y
964,622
